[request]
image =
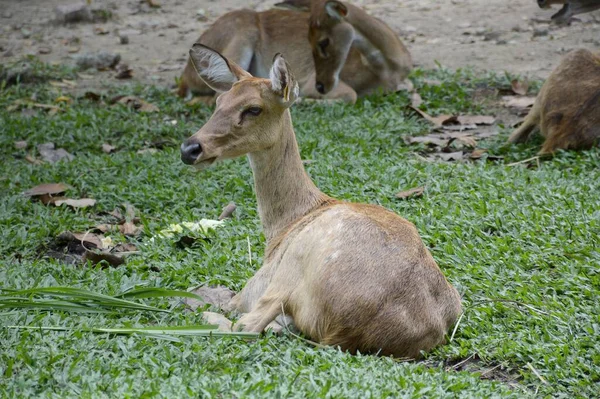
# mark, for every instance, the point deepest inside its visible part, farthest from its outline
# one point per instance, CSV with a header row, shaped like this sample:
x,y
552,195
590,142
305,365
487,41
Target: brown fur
x,y
346,27
251,39
351,275
567,109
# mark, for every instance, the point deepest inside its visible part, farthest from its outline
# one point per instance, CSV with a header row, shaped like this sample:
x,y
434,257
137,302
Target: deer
x,y
354,276
251,39
567,108
570,8
338,27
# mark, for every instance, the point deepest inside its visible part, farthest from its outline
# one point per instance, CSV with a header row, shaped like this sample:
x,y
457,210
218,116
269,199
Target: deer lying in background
x,y
365,56
567,109
251,39
351,275
336,28
570,8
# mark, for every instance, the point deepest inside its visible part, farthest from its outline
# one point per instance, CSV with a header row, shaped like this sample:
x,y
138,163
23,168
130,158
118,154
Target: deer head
x,y
249,111
330,37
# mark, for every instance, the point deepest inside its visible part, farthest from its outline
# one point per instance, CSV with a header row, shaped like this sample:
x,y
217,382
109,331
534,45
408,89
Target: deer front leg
x,y
265,311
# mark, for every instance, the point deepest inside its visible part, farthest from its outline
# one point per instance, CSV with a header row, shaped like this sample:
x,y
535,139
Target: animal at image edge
x,y
570,8
351,275
567,108
355,54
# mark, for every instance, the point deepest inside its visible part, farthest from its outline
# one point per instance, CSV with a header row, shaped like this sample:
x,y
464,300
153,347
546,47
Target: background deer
x,y
352,275
336,28
567,108
570,8
251,39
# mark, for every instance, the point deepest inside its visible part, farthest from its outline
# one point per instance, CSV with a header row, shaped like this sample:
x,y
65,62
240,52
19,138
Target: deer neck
x,y
284,191
374,39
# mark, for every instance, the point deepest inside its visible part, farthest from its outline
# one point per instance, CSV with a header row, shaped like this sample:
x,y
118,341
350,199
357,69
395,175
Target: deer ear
x,y
283,82
214,69
336,9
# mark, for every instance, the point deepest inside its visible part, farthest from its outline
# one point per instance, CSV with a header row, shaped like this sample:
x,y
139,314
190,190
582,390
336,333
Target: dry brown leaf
x,y
449,156
49,188
107,148
415,99
153,3
88,240
63,99
477,153
218,296
32,160
468,141
90,95
518,102
125,248
19,145
105,228
96,257
124,72
430,140
116,213
75,203
519,87
129,229
136,103
100,30
413,192
436,120
476,120
227,211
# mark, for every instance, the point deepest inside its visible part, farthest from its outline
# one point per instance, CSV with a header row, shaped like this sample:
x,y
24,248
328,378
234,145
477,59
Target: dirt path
x,y
510,35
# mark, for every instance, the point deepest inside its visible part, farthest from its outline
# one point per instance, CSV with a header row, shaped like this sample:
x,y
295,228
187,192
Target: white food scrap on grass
x,y
204,225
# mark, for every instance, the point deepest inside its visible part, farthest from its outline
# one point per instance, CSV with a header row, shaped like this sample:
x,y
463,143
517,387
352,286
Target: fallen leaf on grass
x,y
449,156
519,87
477,153
19,145
90,95
147,151
63,99
47,189
436,120
75,203
124,72
107,148
100,30
33,160
218,296
413,192
521,105
96,257
64,84
227,211
88,240
217,319
153,3
476,119
129,229
52,155
18,104
135,103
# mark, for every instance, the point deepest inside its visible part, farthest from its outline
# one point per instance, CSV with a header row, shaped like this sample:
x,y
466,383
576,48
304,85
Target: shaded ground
x,y
511,35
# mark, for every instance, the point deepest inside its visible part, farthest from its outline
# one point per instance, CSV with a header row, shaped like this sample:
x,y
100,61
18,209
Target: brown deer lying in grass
x,y
337,27
567,109
251,39
351,275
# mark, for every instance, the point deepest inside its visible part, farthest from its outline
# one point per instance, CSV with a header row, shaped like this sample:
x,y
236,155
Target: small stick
x,y
456,326
249,250
525,161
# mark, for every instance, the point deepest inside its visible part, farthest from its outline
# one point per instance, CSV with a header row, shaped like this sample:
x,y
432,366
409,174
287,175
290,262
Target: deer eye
x,y
252,111
323,44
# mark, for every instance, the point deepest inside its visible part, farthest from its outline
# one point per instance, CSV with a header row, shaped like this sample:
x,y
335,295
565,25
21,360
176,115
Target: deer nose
x,y
190,151
320,87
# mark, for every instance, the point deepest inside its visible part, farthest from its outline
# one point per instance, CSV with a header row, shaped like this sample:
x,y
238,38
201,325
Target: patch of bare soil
x,y
152,37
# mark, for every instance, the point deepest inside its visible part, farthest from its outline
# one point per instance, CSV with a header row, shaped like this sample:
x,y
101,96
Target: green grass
x,y
500,234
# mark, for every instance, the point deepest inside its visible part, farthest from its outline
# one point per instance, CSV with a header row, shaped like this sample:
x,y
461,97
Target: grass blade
x,y
50,305
157,293
206,330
